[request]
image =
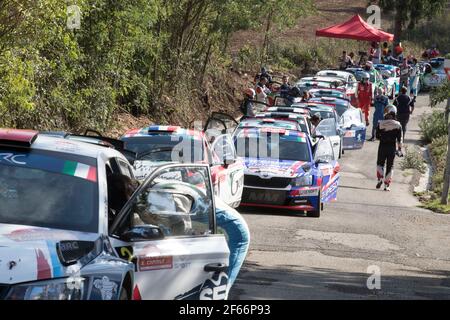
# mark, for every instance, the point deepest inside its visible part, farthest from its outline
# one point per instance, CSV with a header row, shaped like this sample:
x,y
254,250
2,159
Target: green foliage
x,y
145,57
412,11
413,160
440,94
433,126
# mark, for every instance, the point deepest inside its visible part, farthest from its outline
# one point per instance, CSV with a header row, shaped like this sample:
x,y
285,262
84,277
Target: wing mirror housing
x,y
143,233
321,161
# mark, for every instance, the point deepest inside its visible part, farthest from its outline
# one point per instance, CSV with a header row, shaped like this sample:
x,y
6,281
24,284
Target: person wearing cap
x,y
389,132
405,108
365,95
381,101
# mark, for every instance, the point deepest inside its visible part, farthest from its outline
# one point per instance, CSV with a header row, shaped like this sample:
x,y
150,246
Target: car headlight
x,y
303,181
60,289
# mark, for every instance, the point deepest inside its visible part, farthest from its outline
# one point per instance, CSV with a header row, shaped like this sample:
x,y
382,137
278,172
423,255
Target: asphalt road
x,y
295,257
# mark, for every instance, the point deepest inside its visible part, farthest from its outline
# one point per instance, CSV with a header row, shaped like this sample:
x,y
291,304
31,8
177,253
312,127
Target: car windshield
x,y
352,117
327,128
166,148
289,125
273,146
48,190
324,114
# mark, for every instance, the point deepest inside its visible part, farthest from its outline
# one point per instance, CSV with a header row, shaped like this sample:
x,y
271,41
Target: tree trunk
x,y
446,187
398,28
266,39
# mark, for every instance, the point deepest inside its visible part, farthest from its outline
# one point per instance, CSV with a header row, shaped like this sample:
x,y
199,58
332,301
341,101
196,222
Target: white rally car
x,y
60,240
172,144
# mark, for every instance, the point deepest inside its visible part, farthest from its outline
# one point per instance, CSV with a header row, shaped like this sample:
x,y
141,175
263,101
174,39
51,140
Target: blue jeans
x,y
238,237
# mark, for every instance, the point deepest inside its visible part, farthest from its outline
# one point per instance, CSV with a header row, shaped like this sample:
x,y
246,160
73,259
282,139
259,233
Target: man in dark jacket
x,y
389,132
405,108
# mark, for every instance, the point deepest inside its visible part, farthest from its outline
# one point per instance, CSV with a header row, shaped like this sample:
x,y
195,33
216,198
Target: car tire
x,y
316,213
124,294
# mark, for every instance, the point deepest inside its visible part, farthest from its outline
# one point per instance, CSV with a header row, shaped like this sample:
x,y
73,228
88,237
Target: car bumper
x,y
299,199
354,139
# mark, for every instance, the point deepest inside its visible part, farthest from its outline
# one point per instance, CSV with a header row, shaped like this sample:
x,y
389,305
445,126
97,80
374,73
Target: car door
x,y
219,123
329,128
168,230
354,129
329,169
229,171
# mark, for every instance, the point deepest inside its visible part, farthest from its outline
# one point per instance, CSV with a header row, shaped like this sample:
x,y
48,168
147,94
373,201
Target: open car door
x,y
229,171
329,169
354,128
219,123
329,128
168,229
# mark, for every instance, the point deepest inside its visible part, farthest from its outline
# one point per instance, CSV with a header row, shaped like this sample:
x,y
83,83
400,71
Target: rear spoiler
x,y
17,137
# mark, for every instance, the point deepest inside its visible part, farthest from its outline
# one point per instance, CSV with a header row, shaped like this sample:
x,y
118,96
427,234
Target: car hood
x,y
31,253
271,167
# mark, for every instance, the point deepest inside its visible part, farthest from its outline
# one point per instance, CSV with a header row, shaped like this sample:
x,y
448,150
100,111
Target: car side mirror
x,y
229,161
321,161
143,233
319,136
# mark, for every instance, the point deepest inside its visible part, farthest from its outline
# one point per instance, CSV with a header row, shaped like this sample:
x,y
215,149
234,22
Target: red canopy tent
x,y
357,29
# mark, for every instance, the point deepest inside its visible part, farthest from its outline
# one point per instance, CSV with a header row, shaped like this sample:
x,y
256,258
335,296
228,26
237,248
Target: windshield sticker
x,y
51,164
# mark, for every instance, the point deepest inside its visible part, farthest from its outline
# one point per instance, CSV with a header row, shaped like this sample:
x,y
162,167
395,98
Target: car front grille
x,y
275,182
262,196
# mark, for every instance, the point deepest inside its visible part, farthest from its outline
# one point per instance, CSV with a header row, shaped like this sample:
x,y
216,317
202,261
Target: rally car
x,y
287,172
351,84
391,76
340,105
333,93
60,239
434,74
307,83
171,144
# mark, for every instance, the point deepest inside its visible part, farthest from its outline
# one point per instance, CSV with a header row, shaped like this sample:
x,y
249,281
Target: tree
x,y
280,14
407,13
437,96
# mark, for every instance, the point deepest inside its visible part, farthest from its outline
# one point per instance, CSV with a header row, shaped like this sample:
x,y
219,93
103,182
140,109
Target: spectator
x,y
405,108
261,93
247,107
376,56
385,48
405,71
285,86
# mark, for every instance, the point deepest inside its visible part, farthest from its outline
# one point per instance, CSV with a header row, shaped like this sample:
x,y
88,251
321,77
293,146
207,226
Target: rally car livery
x,y
74,246
171,144
290,173
391,76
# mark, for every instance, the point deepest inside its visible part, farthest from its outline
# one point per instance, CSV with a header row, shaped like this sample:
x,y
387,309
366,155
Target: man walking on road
x,y
405,108
389,132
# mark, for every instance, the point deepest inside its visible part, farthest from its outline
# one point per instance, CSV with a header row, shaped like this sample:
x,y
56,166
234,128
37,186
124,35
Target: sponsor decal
x,y
155,263
31,234
350,133
43,267
214,288
308,192
106,287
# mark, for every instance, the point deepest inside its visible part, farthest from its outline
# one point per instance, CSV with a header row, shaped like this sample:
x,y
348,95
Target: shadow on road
x,y
257,282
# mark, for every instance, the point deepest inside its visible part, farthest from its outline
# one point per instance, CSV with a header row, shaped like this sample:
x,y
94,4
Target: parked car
x,y
434,74
61,240
332,93
290,174
351,84
353,125
171,144
391,76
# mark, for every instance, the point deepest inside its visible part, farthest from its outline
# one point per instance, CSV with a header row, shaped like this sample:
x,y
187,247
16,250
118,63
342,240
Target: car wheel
x,y
124,294
316,213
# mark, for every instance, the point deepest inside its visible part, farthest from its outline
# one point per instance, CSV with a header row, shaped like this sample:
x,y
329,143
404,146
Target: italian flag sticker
x,y
80,170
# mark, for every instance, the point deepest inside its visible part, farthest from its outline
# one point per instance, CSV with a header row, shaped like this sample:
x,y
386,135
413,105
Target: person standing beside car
x,y
405,71
405,108
365,95
414,78
247,107
381,101
261,92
